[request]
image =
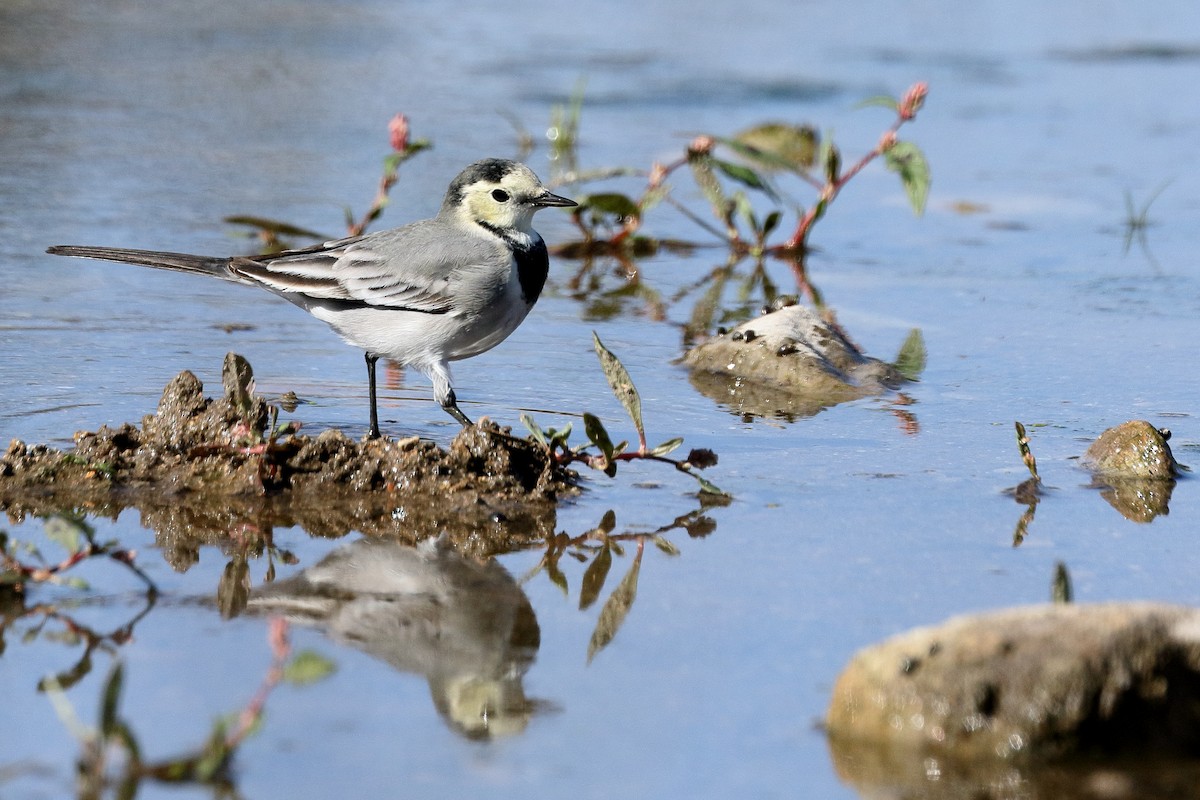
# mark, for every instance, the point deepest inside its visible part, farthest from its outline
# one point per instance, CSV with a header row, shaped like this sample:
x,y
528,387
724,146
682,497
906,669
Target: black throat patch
x,y
533,262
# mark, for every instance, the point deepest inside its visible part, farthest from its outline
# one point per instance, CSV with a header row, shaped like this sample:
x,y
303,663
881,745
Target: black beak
x,y
548,199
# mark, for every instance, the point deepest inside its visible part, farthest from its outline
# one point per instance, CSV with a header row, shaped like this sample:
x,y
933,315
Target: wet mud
x,y
209,465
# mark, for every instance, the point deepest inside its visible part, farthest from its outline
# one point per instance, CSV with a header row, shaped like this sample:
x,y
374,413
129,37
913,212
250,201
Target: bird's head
x,y
499,194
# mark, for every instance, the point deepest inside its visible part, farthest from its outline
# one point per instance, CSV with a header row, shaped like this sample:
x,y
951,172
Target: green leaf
x,y
616,608
651,198
1026,454
819,209
598,435
746,176
701,167
392,161
741,145
707,486
831,161
1060,591
67,532
910,361
535,430
777,145
880,100
745,209
665,545
621,384
614,203
123,734
556,576
907,160
111,700
559,438
68,678
608,522
307,667
274,226
667,447
233,589
770,223
212,759
594,577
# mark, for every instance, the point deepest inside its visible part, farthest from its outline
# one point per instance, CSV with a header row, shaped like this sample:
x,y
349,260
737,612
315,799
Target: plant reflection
x,y
597,547
22,565
111,756
443,608
54,623
1028,493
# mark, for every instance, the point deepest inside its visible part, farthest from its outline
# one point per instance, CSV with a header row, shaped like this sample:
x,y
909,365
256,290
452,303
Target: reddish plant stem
x,y
250,715
906,111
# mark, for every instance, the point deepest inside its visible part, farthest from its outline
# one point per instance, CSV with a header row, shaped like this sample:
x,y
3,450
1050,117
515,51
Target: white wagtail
x,y
431,292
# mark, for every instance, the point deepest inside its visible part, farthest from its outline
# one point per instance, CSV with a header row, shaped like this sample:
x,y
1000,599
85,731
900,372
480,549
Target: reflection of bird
x,y
466,626
431,292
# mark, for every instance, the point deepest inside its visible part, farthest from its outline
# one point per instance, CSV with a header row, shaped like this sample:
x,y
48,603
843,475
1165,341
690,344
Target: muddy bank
x,y
202,464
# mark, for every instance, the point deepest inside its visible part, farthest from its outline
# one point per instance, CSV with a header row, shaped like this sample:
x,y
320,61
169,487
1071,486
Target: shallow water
x,y
131,125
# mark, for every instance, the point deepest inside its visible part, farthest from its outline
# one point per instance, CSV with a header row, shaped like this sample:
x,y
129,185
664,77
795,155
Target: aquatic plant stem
x,y
906,111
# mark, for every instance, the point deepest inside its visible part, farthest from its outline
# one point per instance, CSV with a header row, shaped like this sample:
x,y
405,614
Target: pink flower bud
x,y
913,99
658,173
398,132
887,141
702,144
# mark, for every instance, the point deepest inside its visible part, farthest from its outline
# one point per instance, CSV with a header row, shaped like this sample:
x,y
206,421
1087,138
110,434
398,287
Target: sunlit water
x,y
145,125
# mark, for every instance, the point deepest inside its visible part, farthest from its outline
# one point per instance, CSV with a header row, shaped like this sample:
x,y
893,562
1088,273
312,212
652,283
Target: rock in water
x,y
1132,450
1035,682
788,362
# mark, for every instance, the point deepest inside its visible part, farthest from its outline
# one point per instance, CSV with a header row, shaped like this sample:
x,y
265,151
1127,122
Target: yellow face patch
x,y
504,203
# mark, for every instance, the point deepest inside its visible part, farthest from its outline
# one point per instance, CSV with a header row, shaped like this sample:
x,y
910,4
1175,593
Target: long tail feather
x,y
180,262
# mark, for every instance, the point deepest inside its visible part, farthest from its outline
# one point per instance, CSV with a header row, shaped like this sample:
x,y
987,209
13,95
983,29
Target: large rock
x,y
1036,682
1134,450
789,362
1134,469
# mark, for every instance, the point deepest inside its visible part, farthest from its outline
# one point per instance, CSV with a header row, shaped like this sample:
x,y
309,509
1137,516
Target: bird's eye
x,y
500,196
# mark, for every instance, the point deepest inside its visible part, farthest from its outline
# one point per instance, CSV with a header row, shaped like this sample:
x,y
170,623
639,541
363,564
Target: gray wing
x,y
416,268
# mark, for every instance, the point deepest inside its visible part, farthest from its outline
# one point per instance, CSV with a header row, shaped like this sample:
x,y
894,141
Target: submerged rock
x,y
1039,682
787,362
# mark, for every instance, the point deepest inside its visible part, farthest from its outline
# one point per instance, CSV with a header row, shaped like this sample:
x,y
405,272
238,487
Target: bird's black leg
x,y
373,433
450,404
